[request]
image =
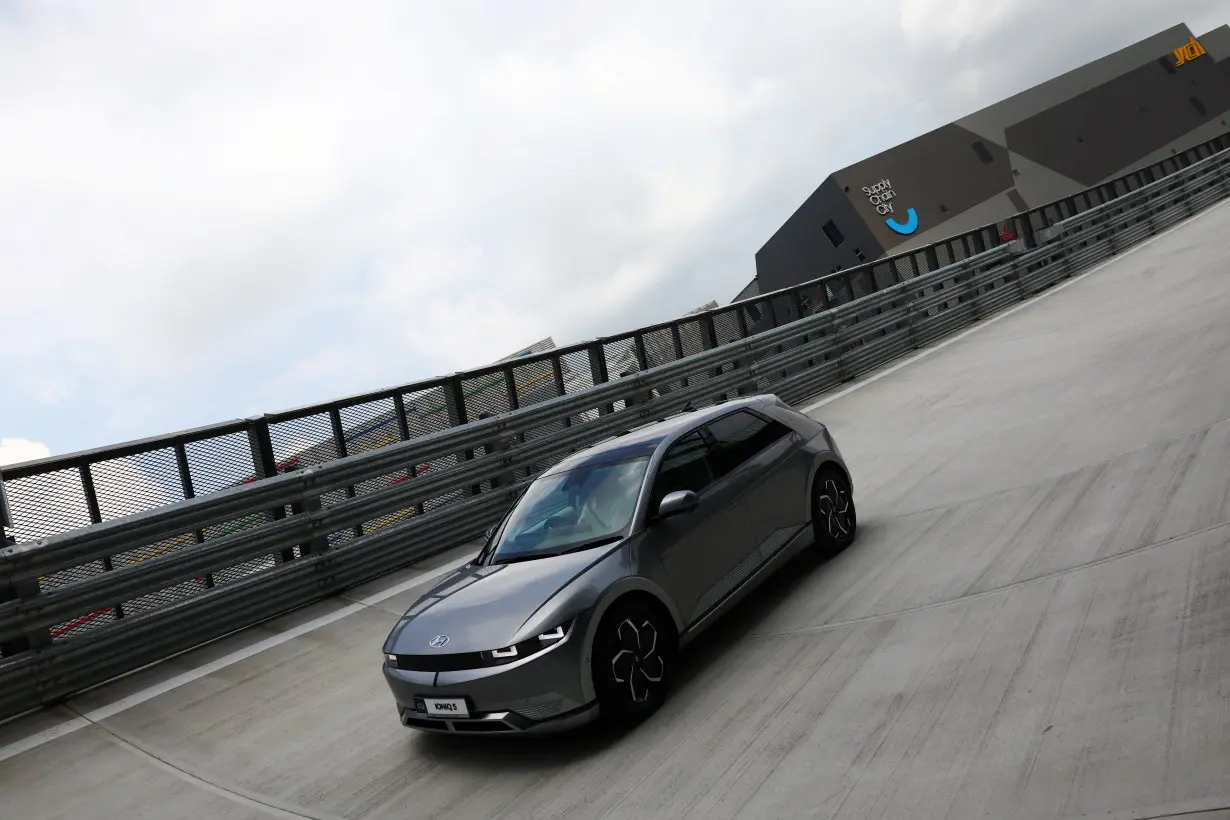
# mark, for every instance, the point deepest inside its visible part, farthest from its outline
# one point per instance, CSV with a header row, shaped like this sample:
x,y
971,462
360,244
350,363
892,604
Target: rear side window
x,y
739,437
685,466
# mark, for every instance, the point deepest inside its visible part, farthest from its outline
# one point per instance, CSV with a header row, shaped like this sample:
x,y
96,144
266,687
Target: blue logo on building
x,y
881,195
911,223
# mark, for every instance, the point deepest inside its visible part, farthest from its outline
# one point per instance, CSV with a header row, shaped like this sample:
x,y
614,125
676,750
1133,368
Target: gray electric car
x,y
611,561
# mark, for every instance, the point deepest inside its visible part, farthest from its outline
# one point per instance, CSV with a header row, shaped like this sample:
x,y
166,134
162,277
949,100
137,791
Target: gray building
x,y
1124,111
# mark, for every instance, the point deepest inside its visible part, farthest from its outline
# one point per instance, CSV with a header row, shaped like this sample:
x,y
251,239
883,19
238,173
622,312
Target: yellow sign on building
x,y
1189,52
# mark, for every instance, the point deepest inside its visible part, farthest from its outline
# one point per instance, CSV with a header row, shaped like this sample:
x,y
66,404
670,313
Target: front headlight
x,y
533,646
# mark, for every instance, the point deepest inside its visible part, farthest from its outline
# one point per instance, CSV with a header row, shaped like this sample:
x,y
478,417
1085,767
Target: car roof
x,y
644,439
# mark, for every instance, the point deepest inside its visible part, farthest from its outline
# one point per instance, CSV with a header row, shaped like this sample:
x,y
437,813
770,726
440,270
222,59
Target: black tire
x,y
633,661
834,519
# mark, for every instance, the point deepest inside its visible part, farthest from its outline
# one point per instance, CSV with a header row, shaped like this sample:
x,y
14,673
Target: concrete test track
x,y
1035,622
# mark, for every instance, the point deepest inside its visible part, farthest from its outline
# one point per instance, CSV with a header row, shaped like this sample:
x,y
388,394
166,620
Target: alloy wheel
x,y
637,663
834,505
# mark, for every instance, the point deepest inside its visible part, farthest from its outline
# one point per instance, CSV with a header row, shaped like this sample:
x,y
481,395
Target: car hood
x,y
481,608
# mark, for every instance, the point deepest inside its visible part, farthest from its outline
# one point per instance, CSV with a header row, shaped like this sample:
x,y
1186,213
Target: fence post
x,y
597,368
561,389
310,503
265,465
91,503
495,448
709,338
6,515
403,431
455,408
189,491
339,446
971,290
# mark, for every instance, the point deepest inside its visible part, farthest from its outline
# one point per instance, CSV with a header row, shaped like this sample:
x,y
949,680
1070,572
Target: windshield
x,y
581,508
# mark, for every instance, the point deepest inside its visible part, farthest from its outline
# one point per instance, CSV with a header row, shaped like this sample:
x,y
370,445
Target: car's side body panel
x,y
773,553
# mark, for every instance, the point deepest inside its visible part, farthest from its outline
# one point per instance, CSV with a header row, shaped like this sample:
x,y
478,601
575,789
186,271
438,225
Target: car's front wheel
x,y
834,519
633,660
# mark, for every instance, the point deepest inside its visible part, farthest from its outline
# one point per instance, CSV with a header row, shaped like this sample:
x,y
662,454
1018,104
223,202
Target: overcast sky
x,y
215,209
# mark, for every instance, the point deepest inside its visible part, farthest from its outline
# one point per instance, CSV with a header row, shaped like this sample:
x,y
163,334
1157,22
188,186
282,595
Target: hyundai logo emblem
x,y
438,642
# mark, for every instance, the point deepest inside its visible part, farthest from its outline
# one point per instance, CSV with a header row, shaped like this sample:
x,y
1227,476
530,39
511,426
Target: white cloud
x,y
17,450
210,210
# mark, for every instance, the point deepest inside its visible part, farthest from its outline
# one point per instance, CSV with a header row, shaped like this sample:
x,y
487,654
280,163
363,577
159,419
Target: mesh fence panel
x,y
485,394
218,463
369,426
884,275
726,325
620,356
943,255
959,250
426,411
163,597
306,440
84,623
46,504
659,346
861,283
902,270
134,483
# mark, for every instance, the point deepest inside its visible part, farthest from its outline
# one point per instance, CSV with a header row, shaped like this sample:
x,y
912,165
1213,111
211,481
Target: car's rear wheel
x,y
834,519
633,660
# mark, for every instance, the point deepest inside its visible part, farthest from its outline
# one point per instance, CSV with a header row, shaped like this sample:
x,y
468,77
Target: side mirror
x,y
677,503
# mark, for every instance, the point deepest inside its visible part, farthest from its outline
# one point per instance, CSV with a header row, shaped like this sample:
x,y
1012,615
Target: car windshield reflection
x,y
582,508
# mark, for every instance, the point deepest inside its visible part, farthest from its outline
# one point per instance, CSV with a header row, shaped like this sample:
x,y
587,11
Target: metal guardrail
x,y
79,607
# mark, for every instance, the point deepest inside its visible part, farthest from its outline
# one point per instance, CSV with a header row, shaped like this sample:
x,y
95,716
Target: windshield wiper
x,y
587,545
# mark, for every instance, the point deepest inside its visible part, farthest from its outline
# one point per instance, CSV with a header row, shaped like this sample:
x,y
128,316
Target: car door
x,y
774,470
700,548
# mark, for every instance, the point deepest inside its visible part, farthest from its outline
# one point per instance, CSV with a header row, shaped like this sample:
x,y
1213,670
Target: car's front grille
x,y
454,662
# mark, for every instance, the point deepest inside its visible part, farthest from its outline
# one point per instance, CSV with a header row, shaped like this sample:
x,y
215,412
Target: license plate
x,y
447,707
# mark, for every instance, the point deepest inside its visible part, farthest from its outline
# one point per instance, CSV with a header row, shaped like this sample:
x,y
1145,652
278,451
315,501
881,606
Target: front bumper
x,y
546,691
497,722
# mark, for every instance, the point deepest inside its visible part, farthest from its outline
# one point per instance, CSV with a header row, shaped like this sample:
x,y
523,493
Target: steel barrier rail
x,y
292,516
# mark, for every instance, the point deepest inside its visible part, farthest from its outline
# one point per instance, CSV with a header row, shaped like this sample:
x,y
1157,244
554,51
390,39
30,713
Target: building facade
x,y
1124,111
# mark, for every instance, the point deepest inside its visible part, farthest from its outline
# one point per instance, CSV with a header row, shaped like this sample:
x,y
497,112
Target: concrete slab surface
x,y
1034,622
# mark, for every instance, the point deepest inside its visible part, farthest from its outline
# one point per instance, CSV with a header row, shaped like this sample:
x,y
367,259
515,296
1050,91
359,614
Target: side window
x,y
684,467
740,436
